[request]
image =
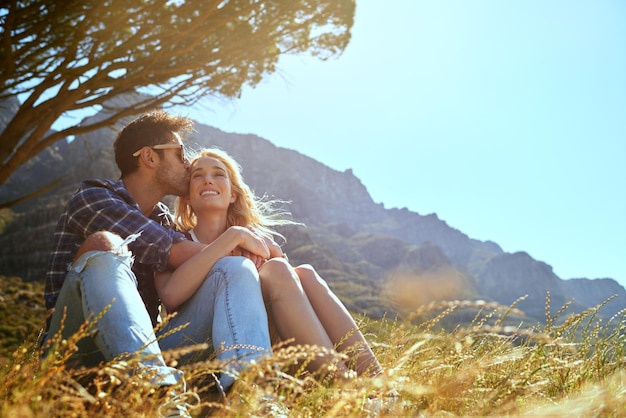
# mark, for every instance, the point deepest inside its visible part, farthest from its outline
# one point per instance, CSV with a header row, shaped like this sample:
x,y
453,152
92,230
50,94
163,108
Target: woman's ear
x,y
233,197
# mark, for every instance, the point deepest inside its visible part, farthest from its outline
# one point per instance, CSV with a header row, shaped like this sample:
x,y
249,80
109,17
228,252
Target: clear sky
x,y
505,118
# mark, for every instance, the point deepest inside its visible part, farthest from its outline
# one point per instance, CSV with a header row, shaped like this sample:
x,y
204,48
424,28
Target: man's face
x,y
173,172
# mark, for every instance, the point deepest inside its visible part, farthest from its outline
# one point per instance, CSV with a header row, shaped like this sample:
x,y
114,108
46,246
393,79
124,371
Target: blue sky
x,y
505,118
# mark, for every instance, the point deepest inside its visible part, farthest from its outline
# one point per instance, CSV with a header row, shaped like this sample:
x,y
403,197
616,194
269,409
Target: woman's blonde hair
x,y
247,209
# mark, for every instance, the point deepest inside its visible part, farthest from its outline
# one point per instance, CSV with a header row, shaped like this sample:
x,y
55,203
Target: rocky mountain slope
x,y
381,261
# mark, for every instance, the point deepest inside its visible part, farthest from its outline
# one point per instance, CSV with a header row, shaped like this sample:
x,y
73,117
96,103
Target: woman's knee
x,y
235,263
279,280
237,269
277,271
309,277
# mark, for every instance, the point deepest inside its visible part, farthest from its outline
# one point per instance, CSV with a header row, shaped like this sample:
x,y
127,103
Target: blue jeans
x,y
227,311
228,306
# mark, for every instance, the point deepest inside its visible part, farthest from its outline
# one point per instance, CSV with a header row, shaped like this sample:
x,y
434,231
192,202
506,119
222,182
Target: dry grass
x,y
573,369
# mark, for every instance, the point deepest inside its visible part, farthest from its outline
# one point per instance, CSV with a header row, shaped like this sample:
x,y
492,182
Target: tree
x,y
60,58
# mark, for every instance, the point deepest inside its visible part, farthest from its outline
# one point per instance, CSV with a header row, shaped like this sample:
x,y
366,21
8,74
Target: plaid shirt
x,y
105,205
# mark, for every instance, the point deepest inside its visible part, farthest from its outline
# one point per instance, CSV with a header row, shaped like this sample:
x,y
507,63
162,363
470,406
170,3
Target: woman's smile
x,y
209,192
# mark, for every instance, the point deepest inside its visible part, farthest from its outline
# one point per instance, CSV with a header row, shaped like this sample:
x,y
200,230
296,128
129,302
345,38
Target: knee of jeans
x,y
235,262
238,267
101,241
101,260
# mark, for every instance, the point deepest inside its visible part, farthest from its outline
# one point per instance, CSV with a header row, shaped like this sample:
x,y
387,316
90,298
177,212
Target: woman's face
x,y
210,187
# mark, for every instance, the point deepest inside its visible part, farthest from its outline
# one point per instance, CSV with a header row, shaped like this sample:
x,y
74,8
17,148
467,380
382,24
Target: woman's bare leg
x,y
291,312
337,321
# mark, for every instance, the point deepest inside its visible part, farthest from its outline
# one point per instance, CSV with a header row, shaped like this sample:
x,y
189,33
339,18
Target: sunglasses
x,y
167,146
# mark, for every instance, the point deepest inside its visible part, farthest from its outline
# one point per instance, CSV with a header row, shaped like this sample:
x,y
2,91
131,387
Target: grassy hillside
x,y
22,314
573,369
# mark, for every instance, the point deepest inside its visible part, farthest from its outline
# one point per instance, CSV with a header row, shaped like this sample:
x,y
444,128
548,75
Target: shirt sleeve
x,y
101,209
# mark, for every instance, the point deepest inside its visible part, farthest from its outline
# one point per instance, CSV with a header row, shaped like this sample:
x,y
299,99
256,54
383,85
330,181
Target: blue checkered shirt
x,y
106,205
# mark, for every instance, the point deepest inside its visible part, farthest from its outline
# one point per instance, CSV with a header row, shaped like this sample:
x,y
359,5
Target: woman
x,y
301,307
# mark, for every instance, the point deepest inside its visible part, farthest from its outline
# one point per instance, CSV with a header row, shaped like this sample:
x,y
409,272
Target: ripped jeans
x,y
227,310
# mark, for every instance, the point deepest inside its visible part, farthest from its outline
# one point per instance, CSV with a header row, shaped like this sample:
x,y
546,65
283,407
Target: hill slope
x,y
359,246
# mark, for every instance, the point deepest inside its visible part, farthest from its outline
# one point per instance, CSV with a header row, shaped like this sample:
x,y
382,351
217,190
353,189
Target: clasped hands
x,y
267,243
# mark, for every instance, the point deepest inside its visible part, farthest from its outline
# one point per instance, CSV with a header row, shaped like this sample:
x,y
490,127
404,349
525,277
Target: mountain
x,y
380,261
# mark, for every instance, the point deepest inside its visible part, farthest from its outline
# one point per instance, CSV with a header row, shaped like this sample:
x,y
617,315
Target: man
x,y
112,238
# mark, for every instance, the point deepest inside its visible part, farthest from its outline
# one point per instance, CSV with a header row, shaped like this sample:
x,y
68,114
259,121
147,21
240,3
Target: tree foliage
x,y
60,58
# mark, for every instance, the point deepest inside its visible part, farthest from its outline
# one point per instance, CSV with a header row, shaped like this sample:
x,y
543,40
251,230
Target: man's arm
x,y
100,207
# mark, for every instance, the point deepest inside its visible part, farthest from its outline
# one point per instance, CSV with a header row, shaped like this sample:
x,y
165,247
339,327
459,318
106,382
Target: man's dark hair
x,y
149,129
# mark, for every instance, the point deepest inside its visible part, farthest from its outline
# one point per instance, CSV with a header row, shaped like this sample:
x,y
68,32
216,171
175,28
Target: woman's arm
x,y
174,288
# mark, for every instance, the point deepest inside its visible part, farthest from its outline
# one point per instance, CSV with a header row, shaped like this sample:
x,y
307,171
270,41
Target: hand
x,y
273,247
248,243
256,259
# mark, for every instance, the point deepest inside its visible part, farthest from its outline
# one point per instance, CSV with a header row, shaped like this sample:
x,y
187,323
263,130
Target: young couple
x,y
300,305
117,248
